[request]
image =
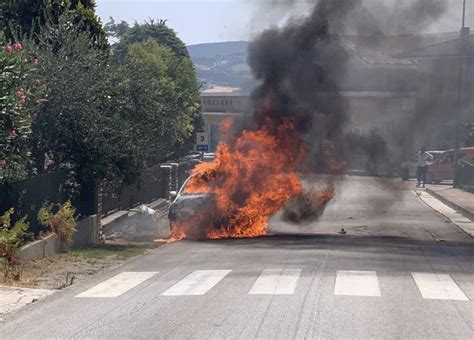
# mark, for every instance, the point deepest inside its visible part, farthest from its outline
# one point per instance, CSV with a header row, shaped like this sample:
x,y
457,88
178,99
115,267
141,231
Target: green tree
x,y
159,97
75,126
173,72
138,33
19,17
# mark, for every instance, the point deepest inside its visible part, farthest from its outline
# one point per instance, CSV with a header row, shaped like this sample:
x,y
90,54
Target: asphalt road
x,y
401,271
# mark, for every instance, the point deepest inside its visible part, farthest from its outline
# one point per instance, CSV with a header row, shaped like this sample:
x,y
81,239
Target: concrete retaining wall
x,y
87,233
37,250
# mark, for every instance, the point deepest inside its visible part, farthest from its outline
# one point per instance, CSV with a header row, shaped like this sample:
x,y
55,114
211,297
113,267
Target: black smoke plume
x,y
302,65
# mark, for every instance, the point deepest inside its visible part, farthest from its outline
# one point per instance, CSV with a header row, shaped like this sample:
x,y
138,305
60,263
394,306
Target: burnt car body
x,y
196,210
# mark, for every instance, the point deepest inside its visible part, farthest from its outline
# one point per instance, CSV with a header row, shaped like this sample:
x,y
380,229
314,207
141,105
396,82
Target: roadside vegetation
x,y
71,100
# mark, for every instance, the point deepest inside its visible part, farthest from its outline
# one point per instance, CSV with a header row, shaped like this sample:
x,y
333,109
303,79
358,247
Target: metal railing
x,y
465,175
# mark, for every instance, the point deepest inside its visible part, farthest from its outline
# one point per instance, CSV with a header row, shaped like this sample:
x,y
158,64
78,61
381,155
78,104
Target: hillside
x,y
222,64
210,50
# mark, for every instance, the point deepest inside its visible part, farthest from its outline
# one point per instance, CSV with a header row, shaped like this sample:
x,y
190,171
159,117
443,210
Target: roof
x,y
224,94
221,89
225,91
381,49
447,49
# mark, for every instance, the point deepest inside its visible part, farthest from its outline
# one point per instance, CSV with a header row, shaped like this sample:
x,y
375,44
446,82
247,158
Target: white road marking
x,y
438,287
198,282
117,285
357,283
276,282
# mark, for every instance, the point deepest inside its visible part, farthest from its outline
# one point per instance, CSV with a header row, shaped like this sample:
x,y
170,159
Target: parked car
x,y
408,168
443,168
196,209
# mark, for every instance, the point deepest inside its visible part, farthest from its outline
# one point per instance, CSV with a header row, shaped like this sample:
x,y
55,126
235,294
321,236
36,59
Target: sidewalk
x,y
13,298
457,199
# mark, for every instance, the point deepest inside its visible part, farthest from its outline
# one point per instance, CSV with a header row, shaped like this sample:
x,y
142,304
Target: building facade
x,y
445,88
217,107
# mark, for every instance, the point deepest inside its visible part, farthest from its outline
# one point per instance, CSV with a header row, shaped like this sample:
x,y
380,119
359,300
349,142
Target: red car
x,y
443,168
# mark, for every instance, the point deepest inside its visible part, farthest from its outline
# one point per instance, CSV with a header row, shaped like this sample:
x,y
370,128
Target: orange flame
x,y
252,177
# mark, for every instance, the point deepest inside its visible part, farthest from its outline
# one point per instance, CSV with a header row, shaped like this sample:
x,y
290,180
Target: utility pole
x,y
464,14
459,97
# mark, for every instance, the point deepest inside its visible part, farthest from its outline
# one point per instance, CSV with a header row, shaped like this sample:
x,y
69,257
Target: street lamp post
x,y
459,96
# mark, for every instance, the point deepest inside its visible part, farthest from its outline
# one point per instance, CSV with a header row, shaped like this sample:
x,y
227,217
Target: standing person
x,y
423,159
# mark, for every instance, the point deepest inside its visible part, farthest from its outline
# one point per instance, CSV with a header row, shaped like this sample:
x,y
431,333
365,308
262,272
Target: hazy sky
x,y
198,21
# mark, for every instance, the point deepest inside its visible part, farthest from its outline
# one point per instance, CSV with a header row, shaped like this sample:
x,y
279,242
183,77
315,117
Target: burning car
x,y
191,212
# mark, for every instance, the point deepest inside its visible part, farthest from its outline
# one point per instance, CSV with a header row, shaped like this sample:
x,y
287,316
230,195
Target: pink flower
x,y
9,48
3,162
13,133
18,46
22,100
20,91
35,61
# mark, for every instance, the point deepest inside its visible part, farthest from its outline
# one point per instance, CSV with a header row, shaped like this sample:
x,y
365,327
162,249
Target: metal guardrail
x,y
465,173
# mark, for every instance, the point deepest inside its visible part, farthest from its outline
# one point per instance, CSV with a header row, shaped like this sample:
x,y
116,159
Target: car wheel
x,y
430,179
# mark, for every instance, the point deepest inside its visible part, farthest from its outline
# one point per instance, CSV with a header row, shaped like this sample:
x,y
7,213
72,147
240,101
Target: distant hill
x,y
221,48
222,64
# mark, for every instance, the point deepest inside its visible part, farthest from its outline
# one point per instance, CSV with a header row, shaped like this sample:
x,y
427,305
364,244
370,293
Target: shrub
x,y
20,93
12,237
61,222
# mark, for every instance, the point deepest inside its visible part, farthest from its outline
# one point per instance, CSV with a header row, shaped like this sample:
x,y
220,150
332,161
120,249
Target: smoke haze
x,y
301,67
386,16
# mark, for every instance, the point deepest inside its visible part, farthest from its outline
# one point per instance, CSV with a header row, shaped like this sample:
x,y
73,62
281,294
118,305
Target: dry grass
x,y
58,271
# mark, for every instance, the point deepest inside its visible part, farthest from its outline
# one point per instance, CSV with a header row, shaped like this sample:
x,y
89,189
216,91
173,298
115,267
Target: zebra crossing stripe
x,y
276,282
117,285
357,283
198,282
438,287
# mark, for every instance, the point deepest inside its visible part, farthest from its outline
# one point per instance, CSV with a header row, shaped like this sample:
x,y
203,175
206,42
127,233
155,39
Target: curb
x,y
451,204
